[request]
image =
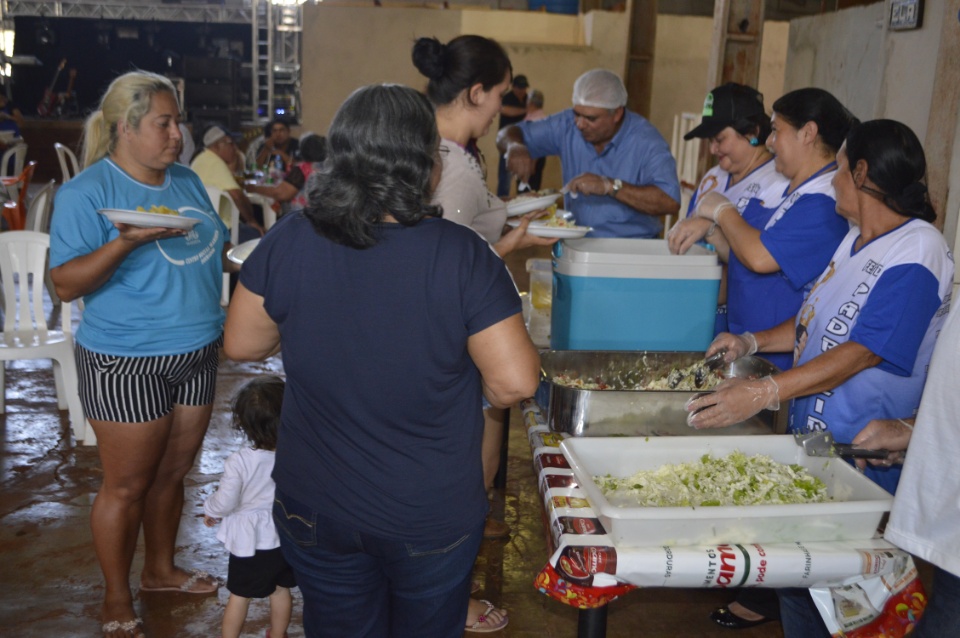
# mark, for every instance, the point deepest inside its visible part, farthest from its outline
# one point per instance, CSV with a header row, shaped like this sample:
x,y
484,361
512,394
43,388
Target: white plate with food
x,y
560,226
526,203
148,220
239,253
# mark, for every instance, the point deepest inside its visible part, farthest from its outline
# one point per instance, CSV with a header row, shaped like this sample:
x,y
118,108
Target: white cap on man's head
x,y
213,135
599,88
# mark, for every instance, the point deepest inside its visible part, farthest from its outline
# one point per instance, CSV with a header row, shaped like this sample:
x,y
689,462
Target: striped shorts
x,y
141,389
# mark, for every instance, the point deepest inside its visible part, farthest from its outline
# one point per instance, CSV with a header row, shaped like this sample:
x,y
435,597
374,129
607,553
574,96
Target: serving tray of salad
x,y
651,491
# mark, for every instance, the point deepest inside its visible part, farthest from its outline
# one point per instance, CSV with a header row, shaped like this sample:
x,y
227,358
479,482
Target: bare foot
x,y
180,580
483,617
120,620
739,610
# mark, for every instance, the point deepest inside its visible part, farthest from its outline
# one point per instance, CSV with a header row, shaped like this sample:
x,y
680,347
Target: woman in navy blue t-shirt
x,y
393,322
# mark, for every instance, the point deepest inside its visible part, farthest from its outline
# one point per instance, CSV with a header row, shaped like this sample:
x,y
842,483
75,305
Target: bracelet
x,y
908,426
711,230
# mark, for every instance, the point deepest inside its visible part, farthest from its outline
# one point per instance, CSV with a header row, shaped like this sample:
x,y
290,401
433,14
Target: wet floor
x,y
51,585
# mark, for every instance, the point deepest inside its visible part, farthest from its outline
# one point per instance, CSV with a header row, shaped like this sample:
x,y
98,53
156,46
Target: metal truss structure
x,y
276,28
128,10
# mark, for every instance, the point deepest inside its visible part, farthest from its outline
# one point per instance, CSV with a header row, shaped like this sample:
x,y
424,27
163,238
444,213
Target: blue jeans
x,y
942,615
799,616
356,585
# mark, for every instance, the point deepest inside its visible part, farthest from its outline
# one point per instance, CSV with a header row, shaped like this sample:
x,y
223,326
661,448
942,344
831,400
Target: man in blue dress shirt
x,y
617,167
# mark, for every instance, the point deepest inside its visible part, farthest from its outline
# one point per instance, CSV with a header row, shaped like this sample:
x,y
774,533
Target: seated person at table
x,y
213,167
618,169
277,141
11,119
290,192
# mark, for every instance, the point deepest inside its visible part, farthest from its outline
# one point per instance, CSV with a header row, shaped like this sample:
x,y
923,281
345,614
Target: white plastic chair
x,y
38,220
23,259
19,154
219,198
687,154
40,209
69,165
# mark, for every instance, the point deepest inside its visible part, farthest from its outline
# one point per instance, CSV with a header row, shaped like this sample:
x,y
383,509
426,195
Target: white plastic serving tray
x,y
854,514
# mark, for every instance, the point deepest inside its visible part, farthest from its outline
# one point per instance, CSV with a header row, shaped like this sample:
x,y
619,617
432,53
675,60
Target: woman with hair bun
x,y
775,249
468,78
148,346
393,323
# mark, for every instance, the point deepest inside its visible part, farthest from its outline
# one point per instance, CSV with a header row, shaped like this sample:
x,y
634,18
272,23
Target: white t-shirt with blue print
x,y
892,297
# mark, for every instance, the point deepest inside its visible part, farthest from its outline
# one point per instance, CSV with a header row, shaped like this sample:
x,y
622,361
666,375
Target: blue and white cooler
x,y
632,294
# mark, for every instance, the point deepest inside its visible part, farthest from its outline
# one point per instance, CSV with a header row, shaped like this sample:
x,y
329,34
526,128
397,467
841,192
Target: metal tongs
x,y
715,361
822,444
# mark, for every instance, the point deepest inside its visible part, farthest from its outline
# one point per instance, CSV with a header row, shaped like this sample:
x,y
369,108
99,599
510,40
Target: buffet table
x,y
853,579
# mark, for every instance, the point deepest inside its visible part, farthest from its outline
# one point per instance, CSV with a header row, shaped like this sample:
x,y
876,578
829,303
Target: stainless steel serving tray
x,y
640,412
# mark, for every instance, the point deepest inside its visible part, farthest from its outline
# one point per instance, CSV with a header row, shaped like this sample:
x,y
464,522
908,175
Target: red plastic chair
x,y
16,212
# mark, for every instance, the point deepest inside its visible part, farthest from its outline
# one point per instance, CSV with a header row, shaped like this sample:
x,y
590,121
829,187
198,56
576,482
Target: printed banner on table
x,y
860,586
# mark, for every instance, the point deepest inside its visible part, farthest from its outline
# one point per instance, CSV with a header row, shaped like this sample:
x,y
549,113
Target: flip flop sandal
x,y
726,618
483,626
130,627
187,587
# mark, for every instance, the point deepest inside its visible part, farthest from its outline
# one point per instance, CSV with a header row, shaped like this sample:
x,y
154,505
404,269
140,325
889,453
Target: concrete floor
x,y
51,584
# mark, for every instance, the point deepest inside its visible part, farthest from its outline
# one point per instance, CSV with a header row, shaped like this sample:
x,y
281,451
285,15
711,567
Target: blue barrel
x,y
571,7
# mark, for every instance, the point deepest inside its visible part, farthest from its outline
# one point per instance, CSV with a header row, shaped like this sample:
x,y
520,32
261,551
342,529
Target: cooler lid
x,y
637,252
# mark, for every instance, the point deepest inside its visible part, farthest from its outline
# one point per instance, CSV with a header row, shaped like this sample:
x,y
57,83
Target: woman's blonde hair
x,y
127,100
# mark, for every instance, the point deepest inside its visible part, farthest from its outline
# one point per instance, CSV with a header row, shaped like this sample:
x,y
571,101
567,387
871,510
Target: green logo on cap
x,y
708,105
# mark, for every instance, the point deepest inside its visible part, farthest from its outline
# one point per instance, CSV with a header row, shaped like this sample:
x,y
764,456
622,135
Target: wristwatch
x,y
617,185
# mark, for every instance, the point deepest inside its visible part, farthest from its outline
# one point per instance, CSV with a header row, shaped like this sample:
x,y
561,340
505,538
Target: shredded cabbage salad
x,y
736,479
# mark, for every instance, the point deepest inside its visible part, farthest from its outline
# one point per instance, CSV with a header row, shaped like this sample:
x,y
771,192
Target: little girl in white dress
x,y
243,505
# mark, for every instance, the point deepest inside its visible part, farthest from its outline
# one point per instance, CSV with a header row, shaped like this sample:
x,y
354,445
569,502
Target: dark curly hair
x,y
464,61
896,164
256,411
313,148
832,118
381,150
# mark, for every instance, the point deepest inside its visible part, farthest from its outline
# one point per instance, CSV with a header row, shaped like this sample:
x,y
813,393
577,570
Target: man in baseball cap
x,y
618,169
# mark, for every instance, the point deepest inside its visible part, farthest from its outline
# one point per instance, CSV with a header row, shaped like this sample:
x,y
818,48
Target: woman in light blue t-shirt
x,y
148,343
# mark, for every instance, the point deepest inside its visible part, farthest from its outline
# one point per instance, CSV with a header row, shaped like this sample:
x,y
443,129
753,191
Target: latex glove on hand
x,y
883,434
589,184
686,233
519,162
711,205
735,346
733,401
